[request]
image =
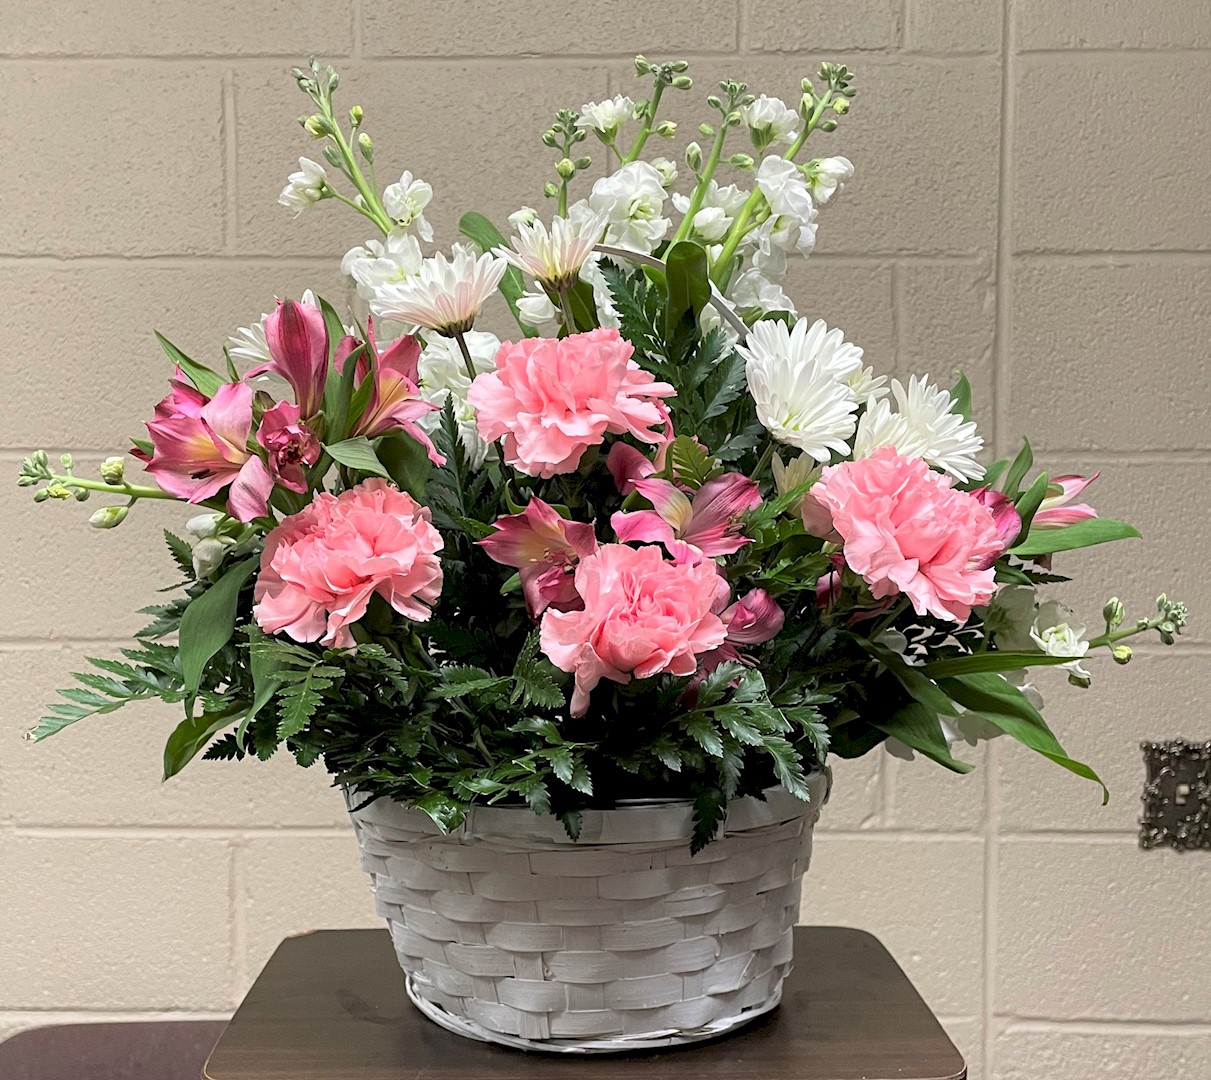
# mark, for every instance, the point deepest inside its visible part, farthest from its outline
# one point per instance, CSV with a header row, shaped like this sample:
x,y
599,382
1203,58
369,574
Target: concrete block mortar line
x,y
1000,441
169,260
1116,257
237,896
230,165
1068,53
1017,1025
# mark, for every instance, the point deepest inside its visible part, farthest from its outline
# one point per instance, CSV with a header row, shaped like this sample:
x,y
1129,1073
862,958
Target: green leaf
x,y
703,732
358,454
182,553
486,236
190,735
1018,470
264,664
1080,534
207,381
689,286
1028,504
1005,706
332,325
691,461
406,462
583,305
990,661
338,393
209,622
960,394
917,726
922,688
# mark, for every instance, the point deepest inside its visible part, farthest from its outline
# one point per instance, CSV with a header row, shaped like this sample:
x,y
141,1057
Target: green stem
x,y
704,182
131,491
467,361
565,304
646,128
1111,638
721,272
373,208
333,193
762,462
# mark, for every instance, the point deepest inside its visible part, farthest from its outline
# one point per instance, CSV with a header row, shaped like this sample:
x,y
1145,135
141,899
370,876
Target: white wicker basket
x,y
511,933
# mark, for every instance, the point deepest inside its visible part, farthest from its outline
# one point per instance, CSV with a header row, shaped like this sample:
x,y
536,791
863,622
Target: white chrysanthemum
x,y
248,343
1057,633
632,201
405,204
383,262
797,380
603,299
443,376
792,474
923,426
446,295
554,257
828,176
769,120
720,205
606,117
304,187
868,387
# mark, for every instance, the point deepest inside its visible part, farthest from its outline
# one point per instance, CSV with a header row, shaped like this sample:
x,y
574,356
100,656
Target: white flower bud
x,y
208,555
113,469
109,517
202,526
527,215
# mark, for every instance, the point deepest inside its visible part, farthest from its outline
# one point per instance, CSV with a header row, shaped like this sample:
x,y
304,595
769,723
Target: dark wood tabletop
x,y
331,1006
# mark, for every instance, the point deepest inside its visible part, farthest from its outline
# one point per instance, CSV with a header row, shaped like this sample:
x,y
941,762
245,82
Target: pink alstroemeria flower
x,y
290,444
1054,511
545,548
752,620
395,403
201,445
1005,517
626,465
708,524
298,352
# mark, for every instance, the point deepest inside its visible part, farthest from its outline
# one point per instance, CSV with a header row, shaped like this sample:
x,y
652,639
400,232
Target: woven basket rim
x,y
639,821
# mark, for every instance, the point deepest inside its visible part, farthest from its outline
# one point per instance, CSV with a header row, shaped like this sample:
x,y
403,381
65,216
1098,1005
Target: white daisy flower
x,y
554,258
797,380
383,262
446,295
632,200
443,376
606,117
922,426
769,121
304,187
405,203
827,176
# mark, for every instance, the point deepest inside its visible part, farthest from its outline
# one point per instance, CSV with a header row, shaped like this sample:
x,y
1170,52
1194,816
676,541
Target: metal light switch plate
x,y
1177,795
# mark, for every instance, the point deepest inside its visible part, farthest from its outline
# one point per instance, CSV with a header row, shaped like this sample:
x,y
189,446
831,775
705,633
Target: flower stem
x,y
467,361
721,272
704,182
130,491
565,305
763,462
373,208
646,128
1111,638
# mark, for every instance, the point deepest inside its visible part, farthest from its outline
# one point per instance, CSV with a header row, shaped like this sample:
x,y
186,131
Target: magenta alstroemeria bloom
x,y
626,465
298,352
290,445
708,524
754,619
201,446
545,548
1005,517
1055,511
395,403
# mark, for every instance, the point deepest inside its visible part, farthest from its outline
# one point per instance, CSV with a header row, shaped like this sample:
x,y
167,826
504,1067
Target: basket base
x,y
609,1044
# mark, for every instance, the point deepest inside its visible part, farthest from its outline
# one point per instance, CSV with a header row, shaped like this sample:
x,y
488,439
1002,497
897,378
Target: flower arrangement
x,y
672,539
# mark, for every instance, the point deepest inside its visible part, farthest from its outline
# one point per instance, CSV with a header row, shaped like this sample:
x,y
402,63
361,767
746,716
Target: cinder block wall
x,y
1030,205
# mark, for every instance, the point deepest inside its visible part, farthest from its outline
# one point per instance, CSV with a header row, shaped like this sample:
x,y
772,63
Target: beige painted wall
x,y
1030,205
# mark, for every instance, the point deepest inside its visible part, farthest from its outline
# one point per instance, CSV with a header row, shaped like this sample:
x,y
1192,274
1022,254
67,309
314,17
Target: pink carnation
x,y
321,566
642,615
906,530
553,398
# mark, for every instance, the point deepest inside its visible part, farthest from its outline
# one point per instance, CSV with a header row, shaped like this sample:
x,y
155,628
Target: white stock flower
x,y
405,204
526,215
446,295
1010,617
828,176
1057,633
537,310
720,205
383,262
923,426
554,257
791,225
667,168
632,201
797,380
753,291
605,117
304,187
769,120
443,376
209,546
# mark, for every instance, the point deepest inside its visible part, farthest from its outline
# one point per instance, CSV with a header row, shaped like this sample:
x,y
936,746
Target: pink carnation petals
x,y
907,531
551,399
321,566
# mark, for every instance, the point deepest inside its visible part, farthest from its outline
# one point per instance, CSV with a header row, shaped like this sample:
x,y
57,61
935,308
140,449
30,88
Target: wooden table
x,y
331,1006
